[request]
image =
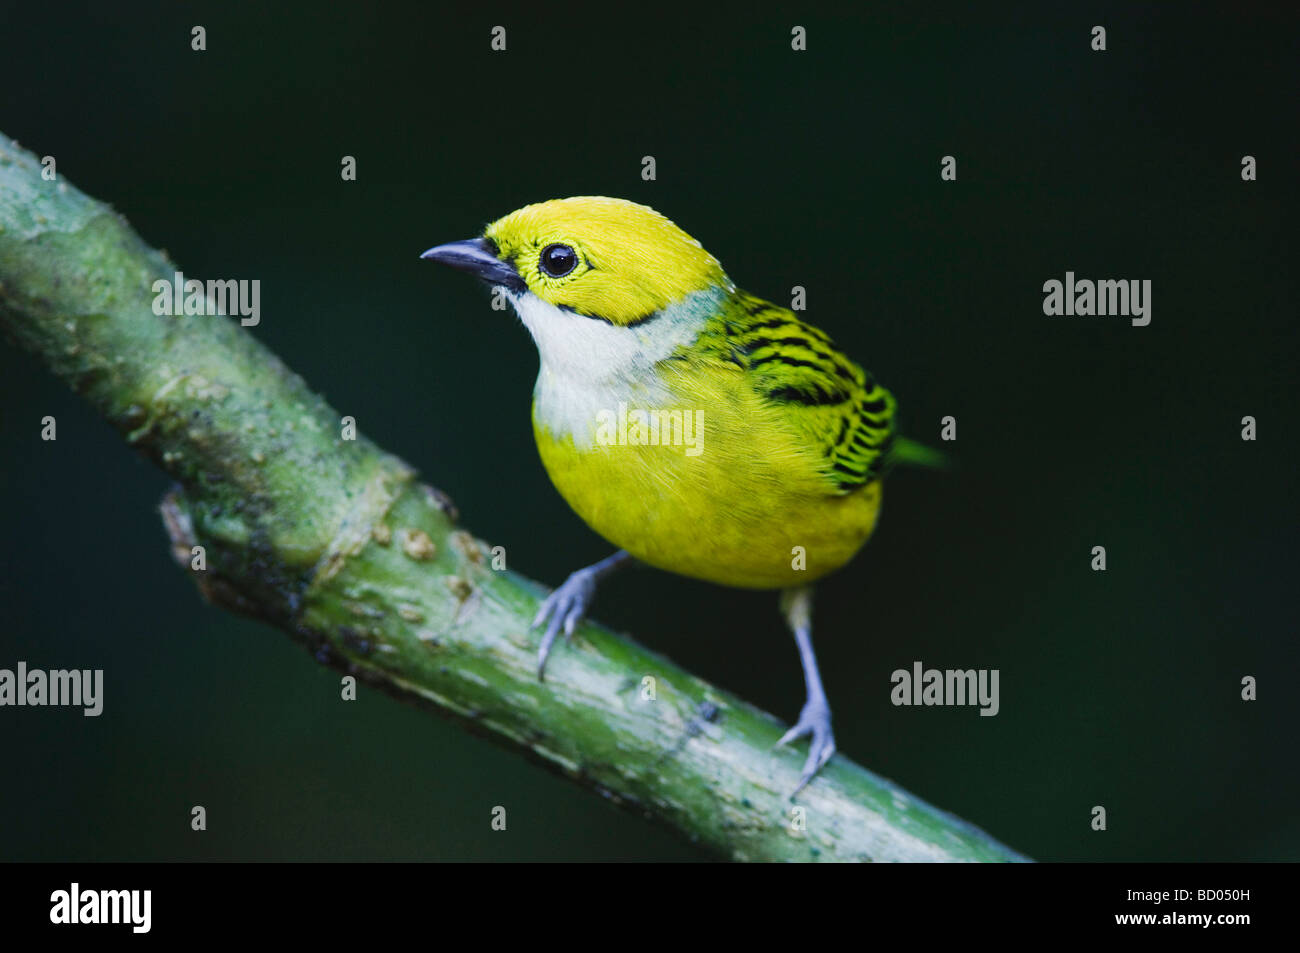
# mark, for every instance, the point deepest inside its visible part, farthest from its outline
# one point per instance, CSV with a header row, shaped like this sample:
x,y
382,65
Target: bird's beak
x,y
476,255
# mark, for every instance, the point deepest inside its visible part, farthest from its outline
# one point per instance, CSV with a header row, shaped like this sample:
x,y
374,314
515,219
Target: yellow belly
x,y
750,509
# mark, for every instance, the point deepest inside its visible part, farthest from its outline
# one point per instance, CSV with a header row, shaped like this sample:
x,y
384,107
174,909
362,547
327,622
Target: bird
x,y
700,429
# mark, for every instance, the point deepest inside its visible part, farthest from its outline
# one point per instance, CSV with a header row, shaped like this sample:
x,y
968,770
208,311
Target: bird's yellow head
x,y
602,258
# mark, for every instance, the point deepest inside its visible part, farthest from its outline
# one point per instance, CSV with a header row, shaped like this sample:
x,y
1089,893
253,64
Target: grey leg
x,y
815,718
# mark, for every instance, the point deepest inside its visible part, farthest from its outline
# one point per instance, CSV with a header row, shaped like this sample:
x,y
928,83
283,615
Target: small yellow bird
x,y
698,428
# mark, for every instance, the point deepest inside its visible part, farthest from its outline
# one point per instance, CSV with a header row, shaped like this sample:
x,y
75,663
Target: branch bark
x,y
336,542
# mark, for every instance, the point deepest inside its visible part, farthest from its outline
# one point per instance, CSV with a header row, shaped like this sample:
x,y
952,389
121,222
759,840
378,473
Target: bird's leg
x,y
815,718
567,605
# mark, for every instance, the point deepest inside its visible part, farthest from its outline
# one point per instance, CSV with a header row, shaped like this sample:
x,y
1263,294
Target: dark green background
x,y
818,168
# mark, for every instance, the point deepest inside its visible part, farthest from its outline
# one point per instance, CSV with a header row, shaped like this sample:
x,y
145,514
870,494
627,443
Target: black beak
x,y
478,257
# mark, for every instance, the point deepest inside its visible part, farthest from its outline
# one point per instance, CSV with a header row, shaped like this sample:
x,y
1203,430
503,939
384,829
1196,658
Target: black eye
x,y
558,260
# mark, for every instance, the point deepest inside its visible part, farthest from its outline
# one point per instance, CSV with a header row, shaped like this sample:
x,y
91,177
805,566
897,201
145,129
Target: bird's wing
x,y
833,405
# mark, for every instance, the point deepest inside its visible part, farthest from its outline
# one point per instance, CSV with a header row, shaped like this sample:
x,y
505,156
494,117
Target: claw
x,y
814,720
563,609
548,640
541,611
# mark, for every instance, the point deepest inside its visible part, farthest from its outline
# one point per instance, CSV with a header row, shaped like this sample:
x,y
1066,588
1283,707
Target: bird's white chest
x,y
590,367
575,407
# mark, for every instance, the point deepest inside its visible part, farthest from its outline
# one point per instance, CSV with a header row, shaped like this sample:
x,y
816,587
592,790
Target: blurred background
x,y
817,168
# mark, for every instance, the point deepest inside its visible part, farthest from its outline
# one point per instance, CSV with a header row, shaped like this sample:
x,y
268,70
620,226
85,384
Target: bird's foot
x,y
565,607
814,720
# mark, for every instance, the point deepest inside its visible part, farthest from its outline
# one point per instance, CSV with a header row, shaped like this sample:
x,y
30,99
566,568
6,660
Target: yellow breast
x,y
708,483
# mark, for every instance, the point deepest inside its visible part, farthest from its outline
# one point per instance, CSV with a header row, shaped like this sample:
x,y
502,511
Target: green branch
x,y
335,542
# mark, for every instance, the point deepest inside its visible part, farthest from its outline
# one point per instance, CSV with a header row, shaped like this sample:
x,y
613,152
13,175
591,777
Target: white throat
x,y
588,365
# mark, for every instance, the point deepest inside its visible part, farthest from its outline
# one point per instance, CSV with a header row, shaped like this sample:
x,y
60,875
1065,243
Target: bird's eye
x,y
558,260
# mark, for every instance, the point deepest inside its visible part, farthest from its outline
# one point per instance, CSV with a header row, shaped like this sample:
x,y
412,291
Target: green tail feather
x,y
911,453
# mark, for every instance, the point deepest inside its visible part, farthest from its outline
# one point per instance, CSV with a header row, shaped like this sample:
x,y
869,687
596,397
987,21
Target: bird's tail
x,y
910,453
